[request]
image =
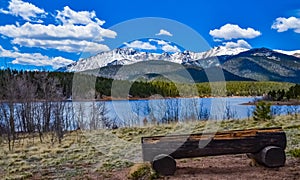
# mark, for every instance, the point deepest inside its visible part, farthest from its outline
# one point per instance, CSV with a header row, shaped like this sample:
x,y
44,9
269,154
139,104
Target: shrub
x,y
141,171
262,111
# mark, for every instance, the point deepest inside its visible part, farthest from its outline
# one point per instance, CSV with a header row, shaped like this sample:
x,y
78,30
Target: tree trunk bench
x,y
266,146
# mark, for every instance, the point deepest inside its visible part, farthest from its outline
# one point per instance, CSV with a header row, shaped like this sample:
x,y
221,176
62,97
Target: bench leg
x,y
270,156
164,165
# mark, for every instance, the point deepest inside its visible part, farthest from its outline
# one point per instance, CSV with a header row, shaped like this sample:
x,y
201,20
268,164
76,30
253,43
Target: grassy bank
x,y
87,153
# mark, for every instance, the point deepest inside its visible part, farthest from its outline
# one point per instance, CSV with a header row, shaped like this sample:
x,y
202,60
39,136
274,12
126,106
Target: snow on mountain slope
x,y
124,56
220,51
295,53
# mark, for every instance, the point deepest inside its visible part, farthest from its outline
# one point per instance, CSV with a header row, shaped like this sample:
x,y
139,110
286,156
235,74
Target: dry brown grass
x,y
103,151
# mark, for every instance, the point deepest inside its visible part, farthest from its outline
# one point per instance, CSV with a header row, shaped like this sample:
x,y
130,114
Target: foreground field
x,y
109,154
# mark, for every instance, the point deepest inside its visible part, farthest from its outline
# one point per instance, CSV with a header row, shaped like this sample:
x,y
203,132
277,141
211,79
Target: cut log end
x,y
270,156
164,165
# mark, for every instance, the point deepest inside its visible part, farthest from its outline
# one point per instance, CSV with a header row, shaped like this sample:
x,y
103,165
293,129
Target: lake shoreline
x,y
109,98
293,102
158,98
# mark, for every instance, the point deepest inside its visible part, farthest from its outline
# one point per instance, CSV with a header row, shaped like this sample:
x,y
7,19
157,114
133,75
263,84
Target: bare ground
x,y
225,167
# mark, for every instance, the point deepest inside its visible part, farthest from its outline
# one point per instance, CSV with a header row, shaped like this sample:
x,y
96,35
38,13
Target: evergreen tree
x,y
262,111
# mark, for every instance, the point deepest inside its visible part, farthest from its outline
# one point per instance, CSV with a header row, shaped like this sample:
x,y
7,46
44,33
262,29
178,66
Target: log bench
x,y
266,146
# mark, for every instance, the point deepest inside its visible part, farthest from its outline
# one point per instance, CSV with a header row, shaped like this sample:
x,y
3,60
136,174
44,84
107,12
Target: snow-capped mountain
x,y
125,56
259,64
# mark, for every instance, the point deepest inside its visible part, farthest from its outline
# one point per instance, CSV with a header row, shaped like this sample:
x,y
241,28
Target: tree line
x,y
30,85
284,94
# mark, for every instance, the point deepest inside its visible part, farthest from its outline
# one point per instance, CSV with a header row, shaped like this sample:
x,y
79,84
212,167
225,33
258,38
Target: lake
x,y
181,109
140,112
125,113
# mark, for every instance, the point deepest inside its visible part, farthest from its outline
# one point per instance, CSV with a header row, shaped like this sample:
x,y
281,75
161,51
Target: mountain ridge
x,y
257,64
263,64
125,56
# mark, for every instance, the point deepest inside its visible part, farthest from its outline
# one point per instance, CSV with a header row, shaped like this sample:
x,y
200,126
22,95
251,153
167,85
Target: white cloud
x,y
72,46
166,45
217,40
69,16
159,42
141,45
80,31
25,10
238,44
170,48
164,32
15,48
35,59
283,24
231,31
39,31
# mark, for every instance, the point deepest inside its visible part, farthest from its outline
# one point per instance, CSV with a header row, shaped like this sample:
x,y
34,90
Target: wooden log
x,y
270,156
221,143
164,165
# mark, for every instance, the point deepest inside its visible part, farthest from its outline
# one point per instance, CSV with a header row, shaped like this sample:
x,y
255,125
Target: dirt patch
x,y
227,167
233,167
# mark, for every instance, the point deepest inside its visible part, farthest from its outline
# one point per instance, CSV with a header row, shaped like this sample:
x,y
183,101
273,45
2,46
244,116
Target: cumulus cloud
x,y
27,11
160,42
69,16
164,32
166,45
35,59
79,31
231,31
67,45
283,24
238,44
140,45
170,48
39,31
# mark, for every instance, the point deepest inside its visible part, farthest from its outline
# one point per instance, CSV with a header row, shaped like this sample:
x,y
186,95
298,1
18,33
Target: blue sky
x,y
47,34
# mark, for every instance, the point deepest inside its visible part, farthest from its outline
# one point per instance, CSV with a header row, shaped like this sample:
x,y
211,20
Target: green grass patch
x,y
295,153
118,164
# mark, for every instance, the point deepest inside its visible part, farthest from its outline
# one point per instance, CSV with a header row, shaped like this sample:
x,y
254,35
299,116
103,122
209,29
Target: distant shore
x,y
109,98
291,102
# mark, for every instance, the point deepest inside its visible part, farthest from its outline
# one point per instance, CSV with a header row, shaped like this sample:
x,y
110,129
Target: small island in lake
x,y
290,97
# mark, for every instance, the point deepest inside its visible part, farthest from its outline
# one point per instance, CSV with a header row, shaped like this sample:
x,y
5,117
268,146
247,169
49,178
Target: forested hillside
x,y
36,86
